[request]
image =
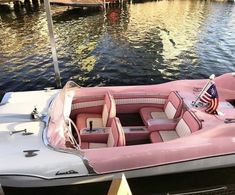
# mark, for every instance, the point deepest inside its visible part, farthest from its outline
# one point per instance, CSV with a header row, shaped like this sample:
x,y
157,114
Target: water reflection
x,y
216,43
171,38
22,33
143,43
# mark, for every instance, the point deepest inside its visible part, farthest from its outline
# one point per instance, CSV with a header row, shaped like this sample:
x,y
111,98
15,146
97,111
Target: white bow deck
x,y
15,116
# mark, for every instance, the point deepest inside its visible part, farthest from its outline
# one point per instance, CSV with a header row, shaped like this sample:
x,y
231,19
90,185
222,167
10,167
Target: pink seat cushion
x,y
116,135
176,101
192,121
188,124
145,113
155,137
84,145
109,109
161,124
91,145
81,120
108,112
115,138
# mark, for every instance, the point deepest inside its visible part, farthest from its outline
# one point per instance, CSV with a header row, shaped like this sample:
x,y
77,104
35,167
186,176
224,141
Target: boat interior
x,y
120,120
114,117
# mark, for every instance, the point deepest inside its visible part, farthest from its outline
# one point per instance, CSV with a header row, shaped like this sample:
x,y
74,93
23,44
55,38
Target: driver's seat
x,y
103,119
116,137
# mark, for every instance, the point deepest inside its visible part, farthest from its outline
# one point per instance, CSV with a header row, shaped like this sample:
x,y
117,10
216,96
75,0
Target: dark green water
x,y
140,43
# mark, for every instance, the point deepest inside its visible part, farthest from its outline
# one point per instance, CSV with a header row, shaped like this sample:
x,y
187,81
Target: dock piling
x,y
119,186
16,5
1,190
52,41
35,3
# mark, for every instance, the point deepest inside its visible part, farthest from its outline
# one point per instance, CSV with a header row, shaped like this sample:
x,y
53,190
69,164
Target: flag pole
x,y
209,82
52,41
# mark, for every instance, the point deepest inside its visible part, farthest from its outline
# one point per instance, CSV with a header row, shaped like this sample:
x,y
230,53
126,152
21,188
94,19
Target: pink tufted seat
x,y
172,109
98,120
116,137
188,124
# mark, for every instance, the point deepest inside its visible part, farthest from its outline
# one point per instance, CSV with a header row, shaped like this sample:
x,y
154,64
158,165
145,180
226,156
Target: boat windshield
x,y
59,130
61,105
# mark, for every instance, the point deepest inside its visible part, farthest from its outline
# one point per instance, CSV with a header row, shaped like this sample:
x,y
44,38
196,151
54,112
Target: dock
x,y
85,3
1,190
73,3
119,186
6,5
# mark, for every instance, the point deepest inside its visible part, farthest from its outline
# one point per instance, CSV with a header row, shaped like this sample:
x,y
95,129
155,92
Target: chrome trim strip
x,y
76,152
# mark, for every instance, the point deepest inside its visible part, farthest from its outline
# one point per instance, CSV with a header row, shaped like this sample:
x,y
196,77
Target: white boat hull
x,y
29,160
189,166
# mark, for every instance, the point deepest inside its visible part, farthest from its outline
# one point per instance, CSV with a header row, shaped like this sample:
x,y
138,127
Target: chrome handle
x,y
19,131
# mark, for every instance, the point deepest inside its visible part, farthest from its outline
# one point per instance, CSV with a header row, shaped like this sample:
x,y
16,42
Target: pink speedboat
x,y
89,135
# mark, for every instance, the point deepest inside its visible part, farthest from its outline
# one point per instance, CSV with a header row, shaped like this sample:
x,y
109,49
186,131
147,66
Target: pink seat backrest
x,y
192,121
188,124
116,134
109,110
176,101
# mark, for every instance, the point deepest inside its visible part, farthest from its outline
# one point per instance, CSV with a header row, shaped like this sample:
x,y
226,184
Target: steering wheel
x,y
75,142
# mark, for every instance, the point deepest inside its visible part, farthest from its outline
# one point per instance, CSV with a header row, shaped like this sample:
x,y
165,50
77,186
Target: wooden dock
x,y
119,186
86,3
6,5
1,190
6,1
78,2
72,2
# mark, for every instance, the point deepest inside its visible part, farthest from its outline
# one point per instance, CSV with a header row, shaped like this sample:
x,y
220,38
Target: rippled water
x,y
139,43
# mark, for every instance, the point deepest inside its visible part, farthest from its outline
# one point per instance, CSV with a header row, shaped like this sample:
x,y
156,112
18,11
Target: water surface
x,y
138,43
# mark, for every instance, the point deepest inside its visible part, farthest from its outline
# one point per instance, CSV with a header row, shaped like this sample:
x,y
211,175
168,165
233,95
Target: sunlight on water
x,y
142,43
176,33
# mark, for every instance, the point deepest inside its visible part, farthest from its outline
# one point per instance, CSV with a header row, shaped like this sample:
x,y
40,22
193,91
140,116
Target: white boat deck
x,y
15,160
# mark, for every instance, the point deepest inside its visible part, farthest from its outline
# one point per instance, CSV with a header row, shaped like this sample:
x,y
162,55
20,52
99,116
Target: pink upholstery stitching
x,y
110,104
173,97
190,119
117,132
155,137
176,101
145,113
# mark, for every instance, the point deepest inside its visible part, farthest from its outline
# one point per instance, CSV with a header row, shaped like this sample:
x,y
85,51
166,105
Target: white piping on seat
x,y
140,101
182,128
87,104
170,110
120,102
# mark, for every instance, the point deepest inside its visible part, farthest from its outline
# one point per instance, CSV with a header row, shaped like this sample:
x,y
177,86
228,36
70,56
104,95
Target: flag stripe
x,y
211,97
213,106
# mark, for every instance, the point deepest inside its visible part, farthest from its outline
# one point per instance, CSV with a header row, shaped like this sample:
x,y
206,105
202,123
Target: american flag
x,y
211,97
